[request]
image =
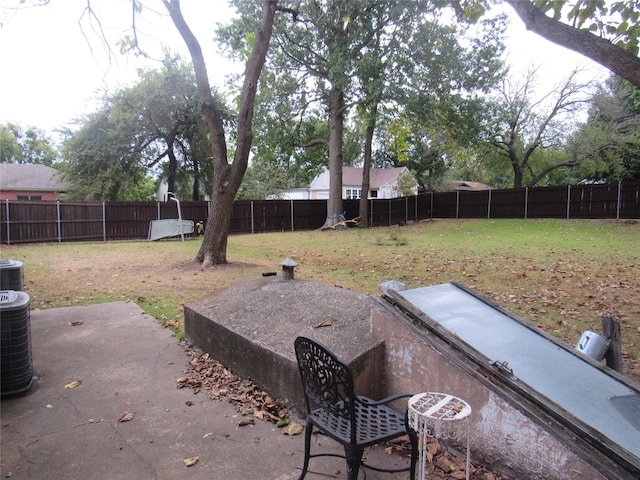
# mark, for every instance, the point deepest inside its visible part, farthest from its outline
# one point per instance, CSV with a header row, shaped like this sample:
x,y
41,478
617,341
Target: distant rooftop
x,y
30,177
466,185
378,177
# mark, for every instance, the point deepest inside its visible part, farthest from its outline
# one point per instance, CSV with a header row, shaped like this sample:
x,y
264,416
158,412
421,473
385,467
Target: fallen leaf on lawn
x,y
142,299
293,429
190,462
283,422
246,421
74,384
326,323
126,416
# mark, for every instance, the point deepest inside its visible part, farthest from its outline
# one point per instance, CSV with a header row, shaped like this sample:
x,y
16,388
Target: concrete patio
x,y
127,362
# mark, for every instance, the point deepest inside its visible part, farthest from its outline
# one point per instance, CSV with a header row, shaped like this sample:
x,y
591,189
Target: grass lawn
x,y
560,275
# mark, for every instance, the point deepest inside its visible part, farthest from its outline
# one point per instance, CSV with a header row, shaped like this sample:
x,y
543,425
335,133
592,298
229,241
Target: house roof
x,y
30,177
378,177
466,185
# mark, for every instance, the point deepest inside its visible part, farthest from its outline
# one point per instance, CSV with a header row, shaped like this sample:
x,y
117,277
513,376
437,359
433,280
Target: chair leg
x,y
354,460
307,449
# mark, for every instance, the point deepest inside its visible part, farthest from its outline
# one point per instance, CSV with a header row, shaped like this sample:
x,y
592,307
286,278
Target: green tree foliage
x,y
373,59
103,159
419,147
406,184
317,46
607,146
280,160
154,126
521,124
26,145
442,96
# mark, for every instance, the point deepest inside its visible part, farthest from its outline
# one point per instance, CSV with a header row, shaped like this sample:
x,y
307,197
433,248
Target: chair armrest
x,y
397,396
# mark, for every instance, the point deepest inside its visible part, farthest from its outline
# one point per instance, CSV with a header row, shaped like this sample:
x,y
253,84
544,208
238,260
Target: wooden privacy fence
x,y
31,221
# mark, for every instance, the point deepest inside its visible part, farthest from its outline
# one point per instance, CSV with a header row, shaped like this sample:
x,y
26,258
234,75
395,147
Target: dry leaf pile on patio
x,y
205,373
441,462
209,375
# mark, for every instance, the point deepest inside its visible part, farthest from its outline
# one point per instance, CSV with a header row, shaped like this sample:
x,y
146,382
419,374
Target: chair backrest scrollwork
x,y
327,382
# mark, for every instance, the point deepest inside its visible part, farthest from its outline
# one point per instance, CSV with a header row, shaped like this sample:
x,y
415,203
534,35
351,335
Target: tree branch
x,y
210,109
540,176
622,62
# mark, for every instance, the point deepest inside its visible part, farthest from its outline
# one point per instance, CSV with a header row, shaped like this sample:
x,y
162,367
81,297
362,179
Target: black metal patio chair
x,y
333,408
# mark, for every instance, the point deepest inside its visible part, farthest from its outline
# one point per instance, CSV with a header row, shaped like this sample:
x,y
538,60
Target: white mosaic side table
x,y
439,415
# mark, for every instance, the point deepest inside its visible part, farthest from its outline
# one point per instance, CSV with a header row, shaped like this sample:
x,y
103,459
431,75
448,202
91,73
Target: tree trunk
x,y
173,166
195,193
336,129
518,175
226,177
621,62
366,167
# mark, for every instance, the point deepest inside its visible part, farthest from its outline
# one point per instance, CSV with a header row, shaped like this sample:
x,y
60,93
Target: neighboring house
x,y
293,194
24,181
383,183
461,185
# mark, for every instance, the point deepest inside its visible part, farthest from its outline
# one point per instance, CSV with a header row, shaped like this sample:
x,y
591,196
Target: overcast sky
x,y
51,72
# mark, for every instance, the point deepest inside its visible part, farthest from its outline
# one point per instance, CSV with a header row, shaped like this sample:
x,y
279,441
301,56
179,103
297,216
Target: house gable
x,y
27,181
382,182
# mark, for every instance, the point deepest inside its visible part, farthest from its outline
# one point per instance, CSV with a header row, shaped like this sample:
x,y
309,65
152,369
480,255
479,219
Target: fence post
x,y
457,204
389,221
431,205
568,201
252,225
58,221
8,222
489,206
291,201
526,202
611,330
104,222
406,209
619,200
371,214
158,210
415,208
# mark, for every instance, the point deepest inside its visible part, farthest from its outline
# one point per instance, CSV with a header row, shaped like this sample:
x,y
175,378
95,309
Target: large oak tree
x,y
227,175
522,124
154,125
